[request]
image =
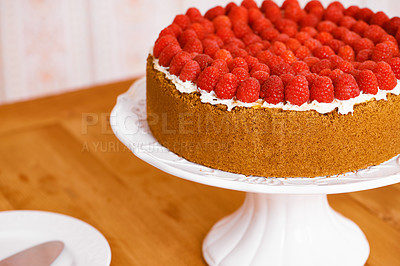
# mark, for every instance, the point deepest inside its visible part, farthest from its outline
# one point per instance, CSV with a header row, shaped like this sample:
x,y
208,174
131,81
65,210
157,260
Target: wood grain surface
x,y
59,154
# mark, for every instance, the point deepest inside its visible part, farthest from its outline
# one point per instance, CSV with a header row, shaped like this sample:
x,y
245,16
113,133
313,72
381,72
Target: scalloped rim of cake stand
x,y
128,121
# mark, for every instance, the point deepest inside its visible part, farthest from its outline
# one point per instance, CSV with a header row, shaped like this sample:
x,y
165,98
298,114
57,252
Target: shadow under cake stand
x,y
283,221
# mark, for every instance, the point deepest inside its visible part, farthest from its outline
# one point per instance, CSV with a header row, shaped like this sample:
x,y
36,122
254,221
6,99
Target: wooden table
x,y
59,154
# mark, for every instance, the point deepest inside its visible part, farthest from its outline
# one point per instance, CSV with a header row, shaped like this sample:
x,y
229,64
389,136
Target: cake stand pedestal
x,y
283,221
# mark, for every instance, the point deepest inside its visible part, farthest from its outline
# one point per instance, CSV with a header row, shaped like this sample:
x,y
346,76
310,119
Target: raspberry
x,y
238,62
351,11
355,64
251,38
392,25
282,68
336,4
272,91
269,34
371,65
335,60
225,33
347,53
286,78
339,32
288,57
393,47
190,71
364,55
312,44
281,38
379,18
303,36
278,48
186,36
309,20
381,52
323,52
271,10
240,29
161,43
326,26
238,14
367,82
275,60
264,56
260,24
359,27
287,3
346,66
261,76
173,30
395,65
292,44
248,91
224,55
203,60
324,37
178,62
322,90
318,12
229,6
374,33
296,92
251,61
182,21
193,46
385,76
321,65
237,42
168,53
214,12
260,67
364,14
241,73
221,65
346,87
312,4
311,77
350,37
311,60
208,78
227,86
249,4
194,14
239,53
254,15
199,29
363,43
326,72
222,22
210,47
294,12
335,44
207,25
335,74
300,67
255,48
302,52
347,22
333,14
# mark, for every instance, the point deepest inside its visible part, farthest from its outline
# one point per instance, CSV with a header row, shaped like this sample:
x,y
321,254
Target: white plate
x,y
84,245
129,123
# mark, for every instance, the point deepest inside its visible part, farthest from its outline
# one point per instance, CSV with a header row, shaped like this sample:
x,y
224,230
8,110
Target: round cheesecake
x,y
273,140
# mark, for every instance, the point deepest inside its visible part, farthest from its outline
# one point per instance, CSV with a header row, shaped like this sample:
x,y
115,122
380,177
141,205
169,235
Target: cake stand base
x,y
285,229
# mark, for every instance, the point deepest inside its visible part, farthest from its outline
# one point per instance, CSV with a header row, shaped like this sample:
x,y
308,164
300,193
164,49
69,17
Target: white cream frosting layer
x,y
344,106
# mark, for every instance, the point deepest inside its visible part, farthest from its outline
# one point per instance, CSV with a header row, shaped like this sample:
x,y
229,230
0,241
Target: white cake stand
x,y
283,221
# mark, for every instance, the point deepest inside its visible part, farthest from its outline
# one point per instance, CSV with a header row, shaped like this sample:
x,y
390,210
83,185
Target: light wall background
x,y
54,46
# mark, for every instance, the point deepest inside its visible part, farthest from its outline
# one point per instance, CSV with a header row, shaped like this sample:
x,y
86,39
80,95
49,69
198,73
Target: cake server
x,y
40,255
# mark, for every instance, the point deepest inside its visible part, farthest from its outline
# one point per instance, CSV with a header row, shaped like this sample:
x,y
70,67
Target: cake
x,y
277,91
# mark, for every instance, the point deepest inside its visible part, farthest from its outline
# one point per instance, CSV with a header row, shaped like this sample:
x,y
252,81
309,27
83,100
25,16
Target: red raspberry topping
x,y
194,14
374,33
302,52
178,62
203,60
347,53
248,91
161,43
363,43
335,74
297,92
254,15
238,62
168,53
251,61
186,36
346,87
333,13
260,67
227,86
385,76
323,52
322,90
309,20
288,56
222,21
224,55
364,14
367,82
249,4
286,78
193,46
273,91
379,18
392,25
347,22
371,65
261,76
208,78
381,52
271,10
214,12
395,65
300,67
210,47
241,73
364,55
190,71
321,65
221,65
238,14
282,68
